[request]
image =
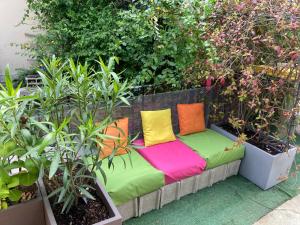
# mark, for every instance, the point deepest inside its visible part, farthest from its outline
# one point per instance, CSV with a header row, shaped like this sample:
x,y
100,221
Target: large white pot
x,y
261,168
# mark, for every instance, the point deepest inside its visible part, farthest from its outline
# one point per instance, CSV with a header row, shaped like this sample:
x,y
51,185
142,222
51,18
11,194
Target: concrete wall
x,y
11,13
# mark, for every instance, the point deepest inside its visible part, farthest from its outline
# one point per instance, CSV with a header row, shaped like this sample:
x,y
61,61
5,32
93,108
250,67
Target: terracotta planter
x,y
115,217
261,168
27,213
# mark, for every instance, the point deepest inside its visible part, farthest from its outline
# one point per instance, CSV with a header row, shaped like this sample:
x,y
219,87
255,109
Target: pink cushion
x,y
175,159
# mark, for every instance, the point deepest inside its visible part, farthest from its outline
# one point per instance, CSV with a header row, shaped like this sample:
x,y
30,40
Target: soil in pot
x,y
262,141
84,213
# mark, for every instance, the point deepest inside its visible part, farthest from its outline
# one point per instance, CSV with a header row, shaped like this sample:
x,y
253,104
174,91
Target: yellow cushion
x,y
157,127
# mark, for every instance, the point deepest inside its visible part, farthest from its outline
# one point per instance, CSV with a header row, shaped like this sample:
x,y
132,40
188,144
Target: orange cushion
x,y
191,118
117,129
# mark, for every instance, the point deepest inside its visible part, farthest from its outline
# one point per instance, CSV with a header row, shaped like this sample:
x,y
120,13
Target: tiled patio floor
x,y
286,214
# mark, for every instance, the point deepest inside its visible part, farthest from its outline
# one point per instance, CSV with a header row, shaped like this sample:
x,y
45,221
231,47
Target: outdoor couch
x,y
159,174
154,176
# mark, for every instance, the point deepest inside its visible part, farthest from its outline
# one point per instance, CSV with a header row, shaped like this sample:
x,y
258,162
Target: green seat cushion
x,y
127,180
214,147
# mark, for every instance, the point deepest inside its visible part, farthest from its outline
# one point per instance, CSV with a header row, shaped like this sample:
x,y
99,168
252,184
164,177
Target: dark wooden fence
x,y
162,101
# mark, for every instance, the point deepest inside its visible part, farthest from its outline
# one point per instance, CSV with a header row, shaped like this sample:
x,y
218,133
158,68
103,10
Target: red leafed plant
x,y
255,61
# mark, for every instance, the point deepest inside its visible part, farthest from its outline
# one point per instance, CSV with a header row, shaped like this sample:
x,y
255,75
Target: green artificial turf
x,y
235,201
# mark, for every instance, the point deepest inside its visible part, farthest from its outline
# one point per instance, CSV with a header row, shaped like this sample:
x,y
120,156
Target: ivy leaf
x,y
27,179
15,165
4,177
31,166
7,149
14,181
3,152
15,195
4,193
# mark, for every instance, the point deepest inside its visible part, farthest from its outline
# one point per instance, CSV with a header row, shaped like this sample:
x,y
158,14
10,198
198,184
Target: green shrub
x,y
156,41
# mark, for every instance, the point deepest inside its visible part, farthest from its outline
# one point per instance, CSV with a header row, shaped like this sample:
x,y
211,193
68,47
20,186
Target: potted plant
x,y
264,166
19,133
73,98
256,57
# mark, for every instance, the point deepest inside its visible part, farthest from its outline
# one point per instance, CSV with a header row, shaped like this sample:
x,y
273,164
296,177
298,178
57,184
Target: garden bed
x,y
87,212
266,143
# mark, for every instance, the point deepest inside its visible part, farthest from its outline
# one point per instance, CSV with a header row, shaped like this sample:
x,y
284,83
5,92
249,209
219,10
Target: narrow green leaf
x,y
125,101
86,194
65,177
62,195
54,164
27,136
8,81
55,192
103,174
68,203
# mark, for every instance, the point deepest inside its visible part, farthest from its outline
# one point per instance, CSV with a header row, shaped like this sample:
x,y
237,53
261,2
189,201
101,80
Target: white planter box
x,y
187,186
169,193
129,209
203,180
149,202
218,174
261,168
175,191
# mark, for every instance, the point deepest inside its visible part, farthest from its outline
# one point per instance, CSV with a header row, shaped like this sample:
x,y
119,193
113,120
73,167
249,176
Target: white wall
x,y
11,13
